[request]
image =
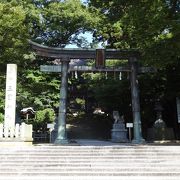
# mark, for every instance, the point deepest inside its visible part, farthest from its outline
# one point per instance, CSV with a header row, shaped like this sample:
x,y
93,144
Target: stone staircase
x,y
88,160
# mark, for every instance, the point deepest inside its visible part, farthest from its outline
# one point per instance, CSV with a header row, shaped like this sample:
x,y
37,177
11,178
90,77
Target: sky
x,y
87,35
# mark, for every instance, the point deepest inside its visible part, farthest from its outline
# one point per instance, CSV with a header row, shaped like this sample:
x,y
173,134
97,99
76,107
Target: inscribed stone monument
x,y
10,99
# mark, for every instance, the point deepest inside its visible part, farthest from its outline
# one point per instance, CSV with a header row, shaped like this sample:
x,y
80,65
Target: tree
x,y
54,23
63,21
152,27
15,26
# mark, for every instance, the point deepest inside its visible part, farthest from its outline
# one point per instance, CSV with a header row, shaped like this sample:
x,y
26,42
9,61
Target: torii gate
x,y
65,55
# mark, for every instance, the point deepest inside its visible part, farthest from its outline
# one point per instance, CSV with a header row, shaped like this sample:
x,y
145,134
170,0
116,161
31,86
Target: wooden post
x,y
135,101
62,134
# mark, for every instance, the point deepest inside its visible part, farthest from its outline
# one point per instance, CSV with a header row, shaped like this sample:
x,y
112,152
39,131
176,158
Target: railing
x,y
20,132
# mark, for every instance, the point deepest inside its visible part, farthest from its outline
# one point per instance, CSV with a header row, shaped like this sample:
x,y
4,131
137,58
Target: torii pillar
x,y
135,101
62,134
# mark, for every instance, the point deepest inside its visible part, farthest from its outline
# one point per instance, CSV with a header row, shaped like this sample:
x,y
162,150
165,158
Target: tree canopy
x,y
62,21
53,23
151,27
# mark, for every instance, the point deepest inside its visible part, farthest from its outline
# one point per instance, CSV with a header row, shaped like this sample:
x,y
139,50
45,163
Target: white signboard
x,y
10,99
129,125
178,108
50,126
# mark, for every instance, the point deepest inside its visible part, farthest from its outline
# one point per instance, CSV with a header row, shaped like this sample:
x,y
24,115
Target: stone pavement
x,y
90,159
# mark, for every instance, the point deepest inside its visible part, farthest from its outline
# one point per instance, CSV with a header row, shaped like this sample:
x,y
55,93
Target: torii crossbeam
x,y
65,55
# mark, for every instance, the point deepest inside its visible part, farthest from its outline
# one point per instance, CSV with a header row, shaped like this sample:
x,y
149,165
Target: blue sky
x,y
87,35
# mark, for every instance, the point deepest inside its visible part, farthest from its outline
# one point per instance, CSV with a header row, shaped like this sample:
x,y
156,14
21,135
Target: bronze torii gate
x,y
65,55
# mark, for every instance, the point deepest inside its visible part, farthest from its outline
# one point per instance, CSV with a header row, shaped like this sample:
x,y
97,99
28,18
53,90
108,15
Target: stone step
x,y
94,150
123,154
113,169
119,146
103,160
81,162
77,151
92,155
39,153
157,150
88,157
135,162
90,147
86,164
87,173
134,177
41,177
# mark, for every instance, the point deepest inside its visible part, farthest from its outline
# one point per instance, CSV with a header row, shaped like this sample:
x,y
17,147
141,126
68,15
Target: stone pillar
x,y
10,99
62,134
135,101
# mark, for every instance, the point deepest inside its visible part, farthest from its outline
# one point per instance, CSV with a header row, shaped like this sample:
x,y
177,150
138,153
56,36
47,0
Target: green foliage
x,y
2,96
38,90
1,117
150,26
15,28
63,21
112,94
54,23
45,115
80,101
42,118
